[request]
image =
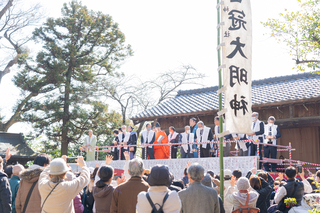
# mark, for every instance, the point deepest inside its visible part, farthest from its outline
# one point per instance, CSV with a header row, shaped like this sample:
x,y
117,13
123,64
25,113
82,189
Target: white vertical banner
x,y
236,36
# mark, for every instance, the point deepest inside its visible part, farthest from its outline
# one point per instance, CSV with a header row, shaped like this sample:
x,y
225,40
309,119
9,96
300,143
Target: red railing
x,y
108,148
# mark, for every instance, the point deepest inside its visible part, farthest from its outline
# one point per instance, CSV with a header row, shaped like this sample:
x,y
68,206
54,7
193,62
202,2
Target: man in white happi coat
x,y
186,138
124,138
271,134
89,144
204,134
257,128
148,137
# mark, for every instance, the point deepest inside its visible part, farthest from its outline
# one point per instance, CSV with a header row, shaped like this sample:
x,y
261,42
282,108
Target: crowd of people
x,y
195,132
51,186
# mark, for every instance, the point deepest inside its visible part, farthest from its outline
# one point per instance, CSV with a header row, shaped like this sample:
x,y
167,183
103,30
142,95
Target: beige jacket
x,y
233,197
61,199
157,193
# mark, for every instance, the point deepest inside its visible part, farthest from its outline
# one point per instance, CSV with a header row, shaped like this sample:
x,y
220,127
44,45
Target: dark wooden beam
x,y
299,122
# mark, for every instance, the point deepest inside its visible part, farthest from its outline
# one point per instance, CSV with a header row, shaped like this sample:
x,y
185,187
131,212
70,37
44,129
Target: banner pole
x,y
220,105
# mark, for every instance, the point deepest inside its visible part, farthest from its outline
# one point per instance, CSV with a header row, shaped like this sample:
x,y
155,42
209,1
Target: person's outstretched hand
x,y
109,159
254,171
121,180
64,157
126,155
80,161
8,154
189,164
233,181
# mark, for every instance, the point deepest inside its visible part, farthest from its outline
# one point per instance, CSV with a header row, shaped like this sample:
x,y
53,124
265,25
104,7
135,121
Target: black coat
x,y
5,194
264,197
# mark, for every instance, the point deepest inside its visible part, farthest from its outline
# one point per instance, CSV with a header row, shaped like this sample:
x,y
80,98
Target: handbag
x,y
28,196
246,208
48,196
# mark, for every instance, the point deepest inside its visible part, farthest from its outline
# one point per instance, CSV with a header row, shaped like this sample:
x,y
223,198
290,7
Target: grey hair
x,y
136,167
186,127
196,172
124,126
255,114
201,122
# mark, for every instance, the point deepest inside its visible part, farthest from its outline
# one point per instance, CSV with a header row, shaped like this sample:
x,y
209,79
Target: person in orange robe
x,y
161,152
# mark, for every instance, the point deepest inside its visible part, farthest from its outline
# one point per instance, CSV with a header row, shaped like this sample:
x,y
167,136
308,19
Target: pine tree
x,y
78,49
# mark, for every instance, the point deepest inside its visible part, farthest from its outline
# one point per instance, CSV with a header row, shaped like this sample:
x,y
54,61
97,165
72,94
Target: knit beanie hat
x,y
243,183
58,166
207,181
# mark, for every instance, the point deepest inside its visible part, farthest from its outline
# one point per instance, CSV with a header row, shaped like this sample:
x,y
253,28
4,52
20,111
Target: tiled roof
x,y
17,145
265,91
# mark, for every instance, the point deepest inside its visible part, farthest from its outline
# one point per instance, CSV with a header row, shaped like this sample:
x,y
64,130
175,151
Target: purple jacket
x,y
78,207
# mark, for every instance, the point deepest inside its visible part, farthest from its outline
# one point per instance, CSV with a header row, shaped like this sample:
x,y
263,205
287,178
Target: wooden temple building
x,y
20,150
293,100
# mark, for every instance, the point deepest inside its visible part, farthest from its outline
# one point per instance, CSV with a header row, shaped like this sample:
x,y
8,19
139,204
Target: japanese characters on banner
x,y
236,37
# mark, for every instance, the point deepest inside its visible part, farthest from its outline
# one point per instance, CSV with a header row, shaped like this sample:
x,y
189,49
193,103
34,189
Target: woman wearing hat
x,y
103,191
240,197
56,193
159,194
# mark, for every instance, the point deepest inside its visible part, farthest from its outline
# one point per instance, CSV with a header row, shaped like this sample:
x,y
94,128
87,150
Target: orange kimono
x,y
161,152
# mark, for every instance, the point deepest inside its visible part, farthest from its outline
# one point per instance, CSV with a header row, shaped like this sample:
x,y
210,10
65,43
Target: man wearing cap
x,y
204,134
257,128
271,134
193,129
148,137
90,144
197,197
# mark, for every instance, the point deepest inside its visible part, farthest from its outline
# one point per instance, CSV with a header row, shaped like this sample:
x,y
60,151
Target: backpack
x,y
154,209
246,208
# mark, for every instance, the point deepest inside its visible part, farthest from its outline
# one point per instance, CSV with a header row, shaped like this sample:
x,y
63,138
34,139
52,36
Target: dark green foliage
x,y
78,49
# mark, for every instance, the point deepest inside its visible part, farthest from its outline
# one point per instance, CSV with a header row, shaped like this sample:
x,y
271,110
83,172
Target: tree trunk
x,y
123,117
140,128
64,148
65,119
